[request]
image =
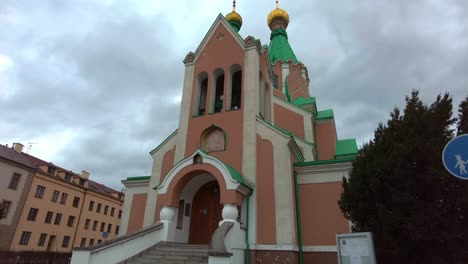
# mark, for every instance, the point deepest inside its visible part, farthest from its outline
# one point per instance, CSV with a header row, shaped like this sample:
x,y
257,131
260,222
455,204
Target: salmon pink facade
x,y
252,149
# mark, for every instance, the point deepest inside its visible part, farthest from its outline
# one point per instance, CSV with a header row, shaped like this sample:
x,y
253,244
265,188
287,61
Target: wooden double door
x,y
206,213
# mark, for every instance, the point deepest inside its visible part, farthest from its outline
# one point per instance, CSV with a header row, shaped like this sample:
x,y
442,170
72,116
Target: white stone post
x,y
229,213
168,215
235,238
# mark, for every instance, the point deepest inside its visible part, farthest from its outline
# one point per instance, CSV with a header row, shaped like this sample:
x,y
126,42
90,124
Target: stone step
x,y
163,257
168,262
188,247
177,253
172,253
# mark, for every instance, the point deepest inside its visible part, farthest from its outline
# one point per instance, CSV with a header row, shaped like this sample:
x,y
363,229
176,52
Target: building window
x,y
67,177
117,230
99,241
76,202
55,196
83,242
14,181
120,214
51,170
106,208
82,182
200,96
86,225
236,90
42,239
71,221
66,240
91,242
64,198
48,218
95,225
24,240
217,91
109,228
91,205
4,208
98,209
58,217
40,191
112,211
32,214
103,225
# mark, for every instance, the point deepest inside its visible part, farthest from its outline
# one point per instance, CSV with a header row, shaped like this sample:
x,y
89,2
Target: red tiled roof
x,y
12,155
92,185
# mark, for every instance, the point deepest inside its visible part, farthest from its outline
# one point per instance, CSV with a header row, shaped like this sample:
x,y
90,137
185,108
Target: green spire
x,y
279,48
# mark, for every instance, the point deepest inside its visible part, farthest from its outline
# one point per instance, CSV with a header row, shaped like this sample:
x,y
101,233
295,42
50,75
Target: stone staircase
x,y
171,253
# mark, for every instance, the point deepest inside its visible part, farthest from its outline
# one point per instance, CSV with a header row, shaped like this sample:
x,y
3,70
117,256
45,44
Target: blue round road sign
x,y
455,157
105,235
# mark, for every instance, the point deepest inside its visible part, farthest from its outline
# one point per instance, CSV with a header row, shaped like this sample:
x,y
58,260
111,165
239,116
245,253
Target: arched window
x,y
235,87
199,106
217,91
261,96
267,102
213,139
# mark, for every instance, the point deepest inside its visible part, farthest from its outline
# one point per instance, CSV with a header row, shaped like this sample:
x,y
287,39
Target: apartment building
x,y
64,209
16,175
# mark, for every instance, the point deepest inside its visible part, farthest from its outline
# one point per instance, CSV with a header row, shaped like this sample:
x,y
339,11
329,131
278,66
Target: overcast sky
x,y
96,85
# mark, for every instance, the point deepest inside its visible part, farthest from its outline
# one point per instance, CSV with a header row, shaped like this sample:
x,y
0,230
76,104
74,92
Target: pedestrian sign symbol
x,y
455,157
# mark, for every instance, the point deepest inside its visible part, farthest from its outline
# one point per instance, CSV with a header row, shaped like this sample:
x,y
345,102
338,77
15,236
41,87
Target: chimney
x,y
18,147
85,174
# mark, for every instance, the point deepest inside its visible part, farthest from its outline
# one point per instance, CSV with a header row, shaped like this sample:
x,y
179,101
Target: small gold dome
x,y
278,14
234,16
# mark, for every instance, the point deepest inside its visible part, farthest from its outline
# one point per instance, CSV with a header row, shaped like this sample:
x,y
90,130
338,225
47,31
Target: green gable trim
x,y
234,174
138,178
323,162
295,106
164,142
346,147
325,114
301,101
279,48
284,131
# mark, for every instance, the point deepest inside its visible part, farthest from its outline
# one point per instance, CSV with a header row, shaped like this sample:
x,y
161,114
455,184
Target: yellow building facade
x,y
63,209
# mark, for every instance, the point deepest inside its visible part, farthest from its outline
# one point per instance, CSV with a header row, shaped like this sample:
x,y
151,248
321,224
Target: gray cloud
x,y
96,83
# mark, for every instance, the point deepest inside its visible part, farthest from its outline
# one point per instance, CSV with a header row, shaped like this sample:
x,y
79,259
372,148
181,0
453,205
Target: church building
x,y
252,149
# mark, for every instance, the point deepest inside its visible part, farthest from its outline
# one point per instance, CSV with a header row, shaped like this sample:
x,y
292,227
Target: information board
x,y
355,248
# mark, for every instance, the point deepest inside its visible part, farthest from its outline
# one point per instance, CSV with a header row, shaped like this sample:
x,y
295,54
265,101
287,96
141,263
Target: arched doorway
x,y
206,213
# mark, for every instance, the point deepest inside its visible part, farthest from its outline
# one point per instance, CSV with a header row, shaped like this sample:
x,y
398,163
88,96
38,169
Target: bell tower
x,y
222,84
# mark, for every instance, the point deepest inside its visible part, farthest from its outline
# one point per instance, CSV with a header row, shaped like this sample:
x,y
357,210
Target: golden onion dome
x,y
278,14
234,17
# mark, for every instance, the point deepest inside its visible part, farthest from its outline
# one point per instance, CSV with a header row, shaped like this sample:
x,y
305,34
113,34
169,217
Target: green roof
x,y
234,174
325,114
301,101
346,147
279,48
138,178
323,162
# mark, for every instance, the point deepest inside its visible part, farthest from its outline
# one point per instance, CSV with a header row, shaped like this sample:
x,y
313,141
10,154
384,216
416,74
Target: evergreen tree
x,y
399,189
462,127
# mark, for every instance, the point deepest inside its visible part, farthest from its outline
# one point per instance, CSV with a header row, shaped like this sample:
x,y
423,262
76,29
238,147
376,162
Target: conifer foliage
x,y
399,190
